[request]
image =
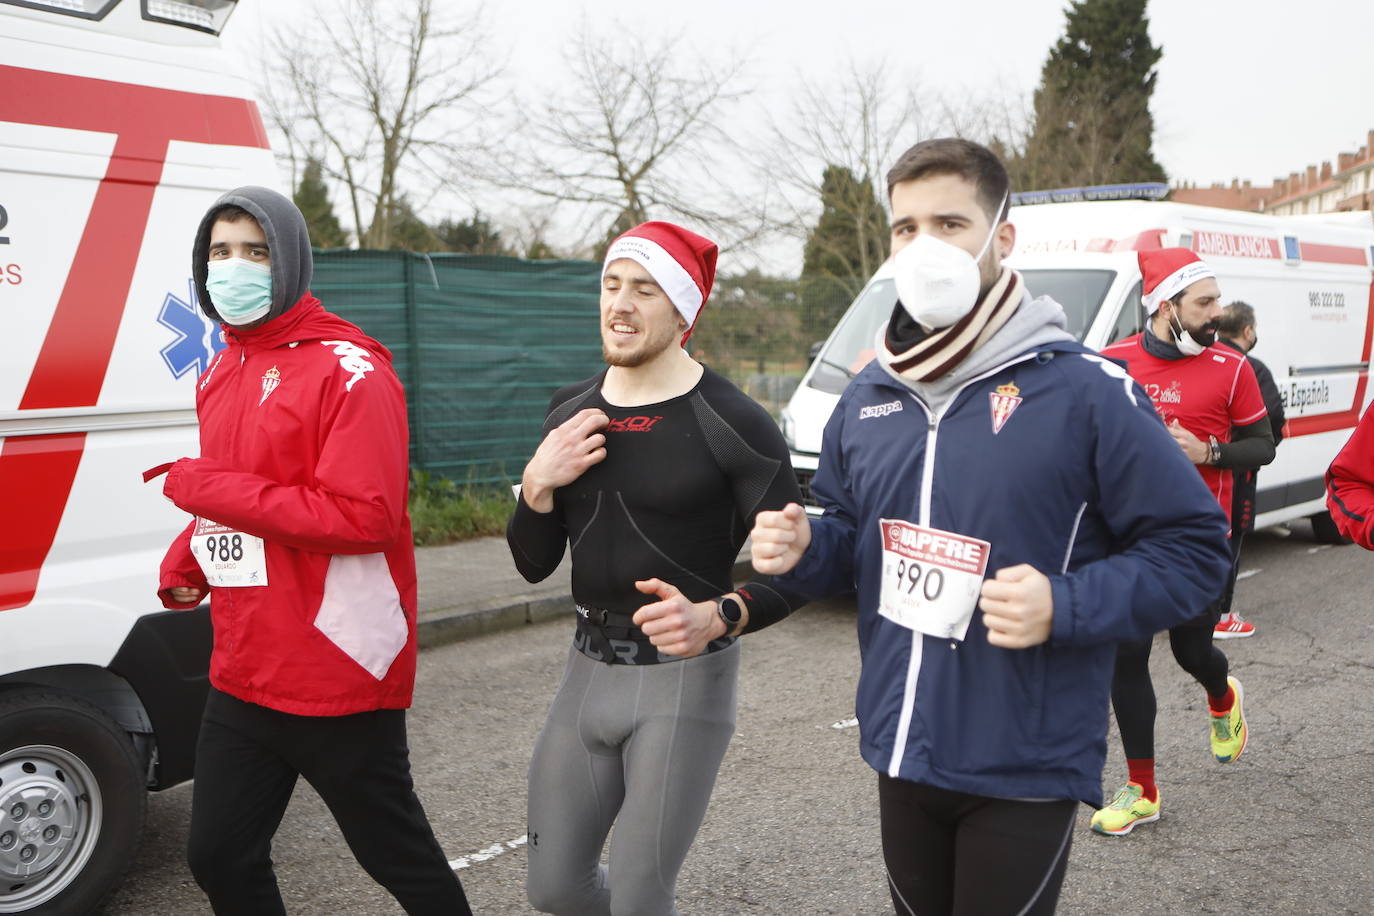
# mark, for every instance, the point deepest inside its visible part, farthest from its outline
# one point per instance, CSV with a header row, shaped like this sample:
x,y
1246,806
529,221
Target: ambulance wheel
x,y
1325,530
72,801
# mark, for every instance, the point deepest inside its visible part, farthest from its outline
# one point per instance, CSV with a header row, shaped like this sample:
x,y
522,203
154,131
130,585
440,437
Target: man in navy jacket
x,y
1007,505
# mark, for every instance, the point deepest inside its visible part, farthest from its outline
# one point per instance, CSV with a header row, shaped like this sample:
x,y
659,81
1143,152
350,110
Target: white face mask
x,y
1184,341
937,282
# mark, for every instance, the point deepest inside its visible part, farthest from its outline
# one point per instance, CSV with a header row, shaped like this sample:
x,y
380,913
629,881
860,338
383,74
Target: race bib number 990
x,y
931,578
229,558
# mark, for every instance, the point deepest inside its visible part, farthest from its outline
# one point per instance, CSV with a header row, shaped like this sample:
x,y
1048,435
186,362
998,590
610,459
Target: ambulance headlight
x,y
205,15
789,428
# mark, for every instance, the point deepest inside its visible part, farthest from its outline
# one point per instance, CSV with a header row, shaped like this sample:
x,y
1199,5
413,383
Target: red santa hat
x,y
681,262
1165,272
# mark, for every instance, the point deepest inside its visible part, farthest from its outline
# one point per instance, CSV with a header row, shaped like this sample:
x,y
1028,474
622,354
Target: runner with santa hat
x,y
1208,398
653,470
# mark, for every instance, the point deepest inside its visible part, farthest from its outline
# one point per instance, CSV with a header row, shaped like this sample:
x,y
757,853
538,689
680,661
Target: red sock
x,y
1142,773
1221,705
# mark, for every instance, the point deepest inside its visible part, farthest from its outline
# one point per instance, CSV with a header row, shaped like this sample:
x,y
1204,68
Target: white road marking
x,y
482,855
845,723
1247,573
1322,547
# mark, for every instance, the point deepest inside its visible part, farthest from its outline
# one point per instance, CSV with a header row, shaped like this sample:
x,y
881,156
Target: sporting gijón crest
x,y
1004,400
270,380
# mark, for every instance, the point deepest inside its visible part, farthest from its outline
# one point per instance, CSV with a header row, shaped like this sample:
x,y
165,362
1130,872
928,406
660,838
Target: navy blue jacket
x,y
1084,483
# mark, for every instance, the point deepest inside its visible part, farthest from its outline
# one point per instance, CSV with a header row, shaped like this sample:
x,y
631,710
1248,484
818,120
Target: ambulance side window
x,y
1131,319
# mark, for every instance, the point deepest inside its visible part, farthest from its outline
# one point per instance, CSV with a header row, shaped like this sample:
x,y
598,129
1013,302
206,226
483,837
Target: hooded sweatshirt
x,y
299,498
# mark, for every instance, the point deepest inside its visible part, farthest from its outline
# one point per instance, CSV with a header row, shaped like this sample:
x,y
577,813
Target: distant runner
x,y
1202,391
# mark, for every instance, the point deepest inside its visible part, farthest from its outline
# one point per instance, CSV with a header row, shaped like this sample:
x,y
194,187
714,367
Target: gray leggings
x,y
637,745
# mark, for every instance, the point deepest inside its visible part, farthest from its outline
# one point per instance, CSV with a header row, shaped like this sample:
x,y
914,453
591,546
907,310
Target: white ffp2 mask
x,y
937,283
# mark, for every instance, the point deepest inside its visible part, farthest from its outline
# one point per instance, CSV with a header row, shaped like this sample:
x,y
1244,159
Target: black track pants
x,y
247,762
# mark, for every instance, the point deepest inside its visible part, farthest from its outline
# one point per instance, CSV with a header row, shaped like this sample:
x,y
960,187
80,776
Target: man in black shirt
x,y
653,470
1237,330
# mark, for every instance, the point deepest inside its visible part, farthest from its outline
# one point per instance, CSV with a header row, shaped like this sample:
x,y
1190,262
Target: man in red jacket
x,y
301,533
1350,485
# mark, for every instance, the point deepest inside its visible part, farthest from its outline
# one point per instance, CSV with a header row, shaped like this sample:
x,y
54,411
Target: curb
x,y
438,628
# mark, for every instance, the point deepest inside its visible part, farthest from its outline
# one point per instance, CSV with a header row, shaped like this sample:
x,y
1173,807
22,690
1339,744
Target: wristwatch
x,y
1213,450
731,612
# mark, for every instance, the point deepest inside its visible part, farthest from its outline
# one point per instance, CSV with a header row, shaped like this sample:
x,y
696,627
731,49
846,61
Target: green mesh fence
x,y
479,342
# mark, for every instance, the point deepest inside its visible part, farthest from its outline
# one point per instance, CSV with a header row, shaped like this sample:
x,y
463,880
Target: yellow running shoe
x,y
1128,808
1228,729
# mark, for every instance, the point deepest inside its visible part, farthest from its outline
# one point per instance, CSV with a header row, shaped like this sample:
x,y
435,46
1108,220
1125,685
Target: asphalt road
x,y
793,824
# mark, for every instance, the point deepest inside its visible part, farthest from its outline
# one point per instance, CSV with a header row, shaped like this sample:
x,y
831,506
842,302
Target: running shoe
x,y
1128,808
1233,626
1228,729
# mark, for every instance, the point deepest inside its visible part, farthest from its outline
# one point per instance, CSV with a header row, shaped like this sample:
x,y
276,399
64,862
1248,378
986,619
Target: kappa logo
x,y
352,358
632,424
270,380
880,410
1004,400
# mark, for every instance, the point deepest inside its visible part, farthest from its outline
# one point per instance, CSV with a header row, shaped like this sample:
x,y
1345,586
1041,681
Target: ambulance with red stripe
x,y
1307,277
121,121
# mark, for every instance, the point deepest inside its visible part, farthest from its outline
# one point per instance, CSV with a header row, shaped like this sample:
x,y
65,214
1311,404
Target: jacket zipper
x,y
913,670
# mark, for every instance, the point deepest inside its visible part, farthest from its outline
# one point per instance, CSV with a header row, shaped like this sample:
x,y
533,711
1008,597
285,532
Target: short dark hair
x,y
1235,318
233,213
971,161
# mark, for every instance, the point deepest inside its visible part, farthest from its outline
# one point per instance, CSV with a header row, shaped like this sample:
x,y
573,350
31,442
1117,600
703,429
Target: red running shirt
x,y
1208,394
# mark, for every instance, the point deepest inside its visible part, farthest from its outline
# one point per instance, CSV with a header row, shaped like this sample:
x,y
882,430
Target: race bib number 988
x,y
931,578
229,558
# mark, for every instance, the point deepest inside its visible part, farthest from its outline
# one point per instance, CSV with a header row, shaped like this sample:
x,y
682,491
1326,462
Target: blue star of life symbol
x,y
198,339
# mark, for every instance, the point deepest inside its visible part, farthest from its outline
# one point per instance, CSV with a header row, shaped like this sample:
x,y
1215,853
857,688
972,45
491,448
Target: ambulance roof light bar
x,y
202,15
1142,190
83,9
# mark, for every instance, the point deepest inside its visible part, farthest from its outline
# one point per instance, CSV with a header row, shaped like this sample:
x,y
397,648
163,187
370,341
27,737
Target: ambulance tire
x,y
65,764
1324,530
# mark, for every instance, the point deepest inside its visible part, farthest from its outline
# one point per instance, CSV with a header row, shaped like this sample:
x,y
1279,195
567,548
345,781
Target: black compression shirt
x,y
674,499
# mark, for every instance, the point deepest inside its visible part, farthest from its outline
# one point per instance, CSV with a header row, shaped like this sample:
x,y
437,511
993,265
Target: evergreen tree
x,y
1092,109
842,252
471,236
408,232
312,197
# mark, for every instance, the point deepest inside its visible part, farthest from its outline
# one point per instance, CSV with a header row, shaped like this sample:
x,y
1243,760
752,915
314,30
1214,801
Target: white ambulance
x,y
120,122
1308,279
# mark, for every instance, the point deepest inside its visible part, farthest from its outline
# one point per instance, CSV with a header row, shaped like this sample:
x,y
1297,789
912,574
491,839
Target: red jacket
x,y
304,443
1350,485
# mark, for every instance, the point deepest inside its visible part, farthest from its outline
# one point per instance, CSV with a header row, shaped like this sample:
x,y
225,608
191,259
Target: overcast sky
x,y
1251,89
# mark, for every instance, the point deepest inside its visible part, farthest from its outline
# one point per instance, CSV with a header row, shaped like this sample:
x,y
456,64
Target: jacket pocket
x,y
361,611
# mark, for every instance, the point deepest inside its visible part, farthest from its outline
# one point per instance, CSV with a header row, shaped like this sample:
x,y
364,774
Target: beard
x,y
1205,333
651,342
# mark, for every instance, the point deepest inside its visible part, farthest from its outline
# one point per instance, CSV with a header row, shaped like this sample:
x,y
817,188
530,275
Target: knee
x,y
212,863
561,892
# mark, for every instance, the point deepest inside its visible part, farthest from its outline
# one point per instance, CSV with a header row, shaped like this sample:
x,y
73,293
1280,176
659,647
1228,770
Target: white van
x,y
120,123
1308,279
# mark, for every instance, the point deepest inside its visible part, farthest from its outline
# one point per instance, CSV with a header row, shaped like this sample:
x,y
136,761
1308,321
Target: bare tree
x,y
633,136
384,95
856,127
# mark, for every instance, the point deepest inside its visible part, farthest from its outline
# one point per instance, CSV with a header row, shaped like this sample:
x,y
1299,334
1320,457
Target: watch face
x,y
731,611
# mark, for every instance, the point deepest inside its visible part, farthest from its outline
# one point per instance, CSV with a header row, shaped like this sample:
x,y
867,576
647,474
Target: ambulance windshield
x,y
850,348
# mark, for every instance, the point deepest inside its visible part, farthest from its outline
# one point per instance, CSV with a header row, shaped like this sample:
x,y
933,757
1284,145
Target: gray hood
x,y
1035,322
287,239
